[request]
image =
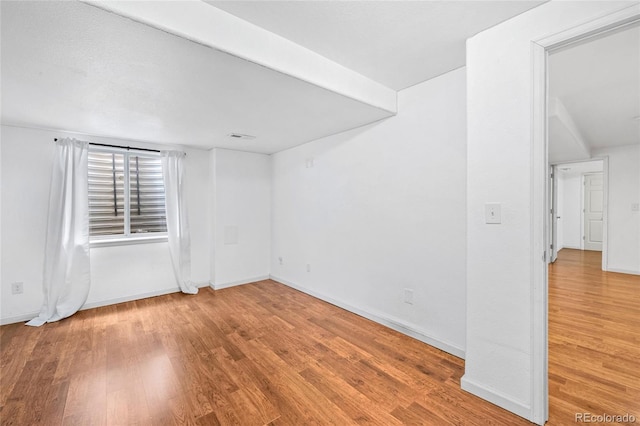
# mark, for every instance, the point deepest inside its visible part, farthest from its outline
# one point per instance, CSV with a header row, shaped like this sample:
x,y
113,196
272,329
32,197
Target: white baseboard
x,y
19,318
131,298
623,271
100,303
496,398
220,286
570,247
396,324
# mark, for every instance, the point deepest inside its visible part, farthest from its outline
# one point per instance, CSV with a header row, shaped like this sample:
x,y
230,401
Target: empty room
x,y
319,212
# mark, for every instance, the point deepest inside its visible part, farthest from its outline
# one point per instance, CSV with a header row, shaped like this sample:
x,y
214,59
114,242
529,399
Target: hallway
x,y
594,339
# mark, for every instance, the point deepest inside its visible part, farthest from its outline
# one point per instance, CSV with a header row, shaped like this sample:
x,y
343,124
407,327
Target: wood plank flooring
x,y
266,354
594,339
258,354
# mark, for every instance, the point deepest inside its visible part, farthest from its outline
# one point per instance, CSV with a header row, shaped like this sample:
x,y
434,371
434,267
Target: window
x,y
126,195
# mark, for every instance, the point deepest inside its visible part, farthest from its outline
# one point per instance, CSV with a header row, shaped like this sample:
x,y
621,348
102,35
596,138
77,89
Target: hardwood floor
x,y
250,355
594,339
266,354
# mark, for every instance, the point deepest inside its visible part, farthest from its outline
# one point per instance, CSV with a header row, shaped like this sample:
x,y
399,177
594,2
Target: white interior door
x,y
593,211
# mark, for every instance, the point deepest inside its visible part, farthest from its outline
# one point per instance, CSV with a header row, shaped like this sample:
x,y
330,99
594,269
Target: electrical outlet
x,y
17,288
308,267
280,260
408,296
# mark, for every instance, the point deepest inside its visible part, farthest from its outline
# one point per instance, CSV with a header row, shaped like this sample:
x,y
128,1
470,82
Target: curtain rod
x,y
118,146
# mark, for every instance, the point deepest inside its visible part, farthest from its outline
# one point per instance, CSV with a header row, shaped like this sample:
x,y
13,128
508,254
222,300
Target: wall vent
x,y
240,136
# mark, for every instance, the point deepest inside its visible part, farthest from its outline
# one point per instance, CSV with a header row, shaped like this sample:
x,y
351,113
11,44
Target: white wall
x,y
500,354
572,211
623,226
380,209
117,273
242,205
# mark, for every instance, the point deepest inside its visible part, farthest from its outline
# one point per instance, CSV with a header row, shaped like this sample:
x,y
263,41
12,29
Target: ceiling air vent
x,y
240,136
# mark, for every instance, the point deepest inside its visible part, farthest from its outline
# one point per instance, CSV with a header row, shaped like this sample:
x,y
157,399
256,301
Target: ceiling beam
x,y
202,23
558,110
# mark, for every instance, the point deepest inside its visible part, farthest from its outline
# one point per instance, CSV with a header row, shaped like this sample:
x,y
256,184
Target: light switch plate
x,y
493,213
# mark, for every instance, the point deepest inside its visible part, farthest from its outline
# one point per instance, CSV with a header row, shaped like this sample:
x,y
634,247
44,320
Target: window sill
x,y
123,241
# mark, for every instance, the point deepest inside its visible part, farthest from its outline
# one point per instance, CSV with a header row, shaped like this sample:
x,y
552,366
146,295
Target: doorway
x,y
577,196
579,204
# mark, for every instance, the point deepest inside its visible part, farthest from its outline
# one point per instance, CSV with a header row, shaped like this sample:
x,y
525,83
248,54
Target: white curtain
x,y
66,278
177,221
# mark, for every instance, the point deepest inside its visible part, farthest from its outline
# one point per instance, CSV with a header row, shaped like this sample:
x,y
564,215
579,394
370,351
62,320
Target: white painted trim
x,y
495,397
19,318
227,284
571,247
624,271
583,236
605,214
539,229
598,26
213,203
393,323
130,298
539,409
101,303
122,241
553,206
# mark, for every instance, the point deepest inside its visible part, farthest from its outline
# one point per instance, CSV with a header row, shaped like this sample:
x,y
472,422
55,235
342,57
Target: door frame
x,y
540,49
605,213
553,212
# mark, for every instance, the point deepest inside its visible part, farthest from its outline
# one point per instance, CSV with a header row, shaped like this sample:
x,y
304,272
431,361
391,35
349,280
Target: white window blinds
x,y
126,194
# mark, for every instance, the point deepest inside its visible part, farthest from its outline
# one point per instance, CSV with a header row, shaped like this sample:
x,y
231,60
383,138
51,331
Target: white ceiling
x,y
397,43
72,66
598,82
76,67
